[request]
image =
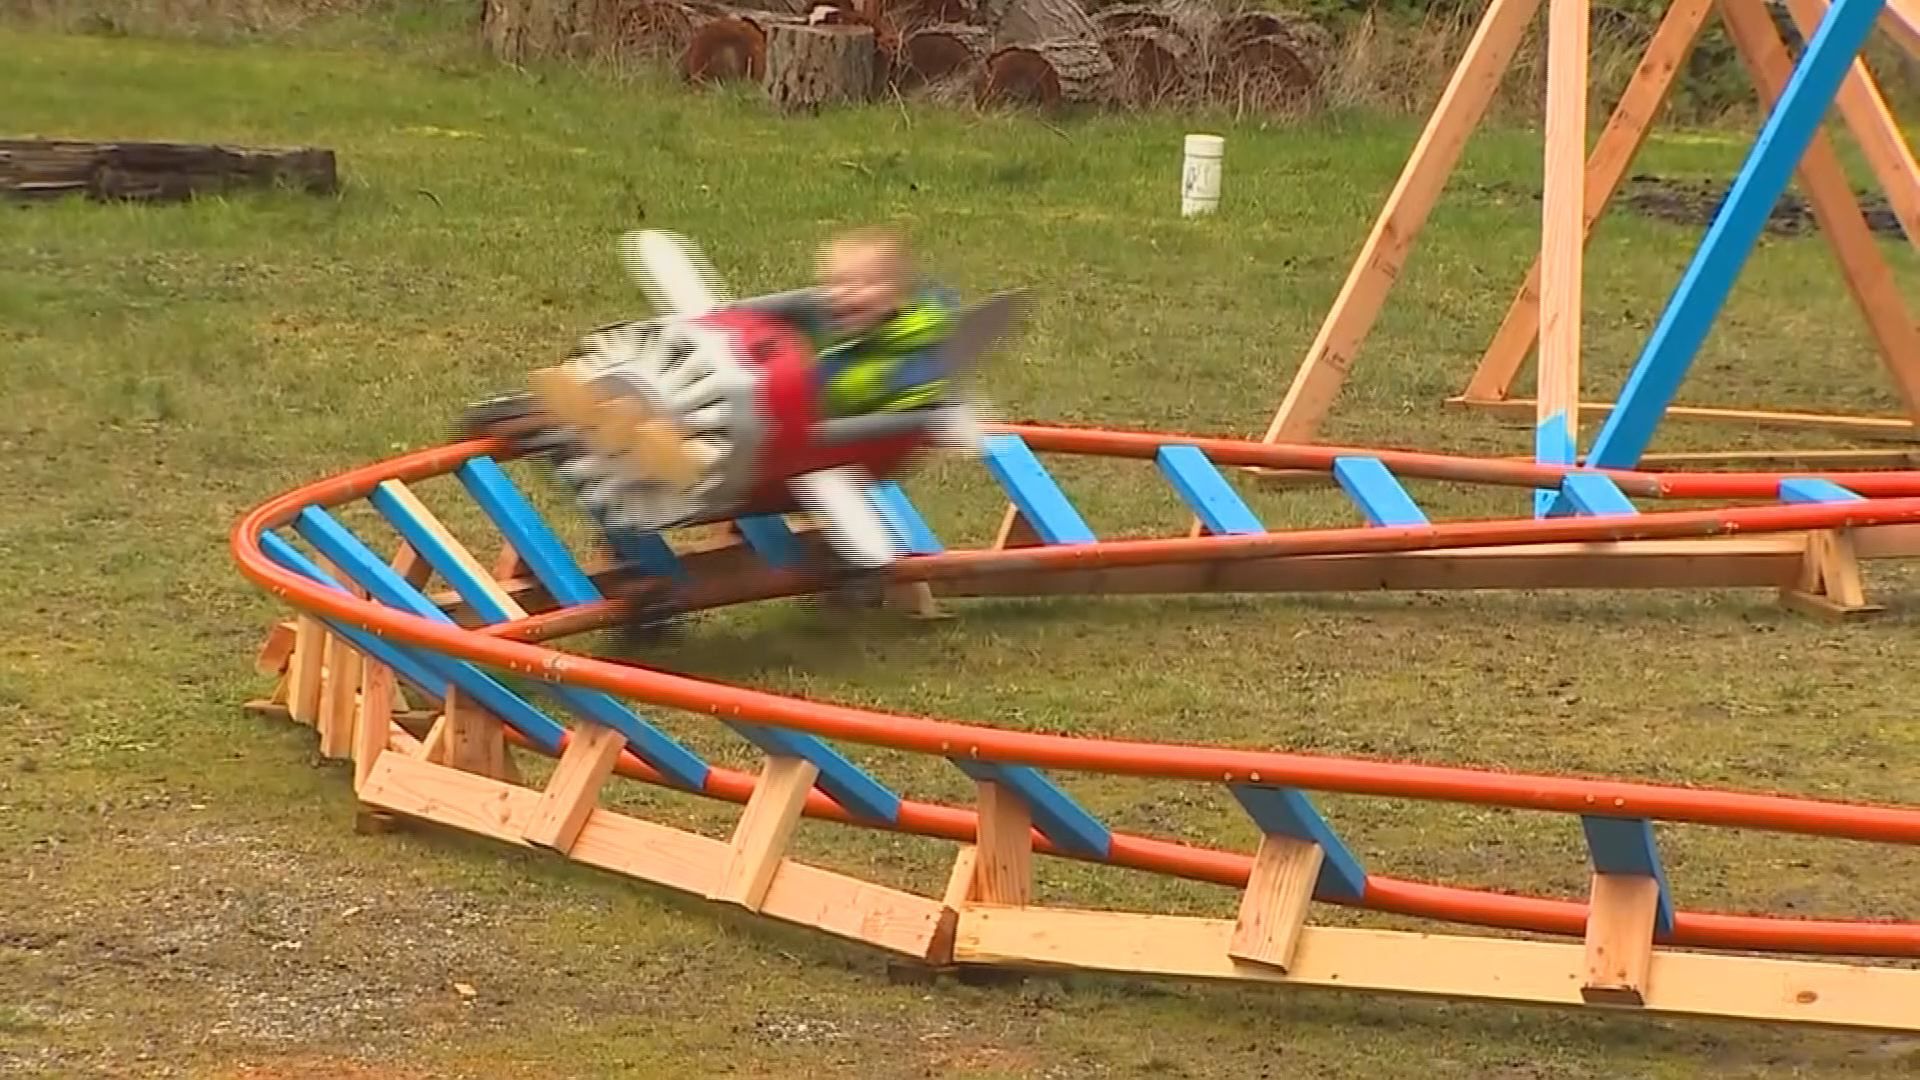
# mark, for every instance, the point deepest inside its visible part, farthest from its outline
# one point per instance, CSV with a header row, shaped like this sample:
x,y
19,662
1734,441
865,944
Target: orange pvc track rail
x,y
1889,498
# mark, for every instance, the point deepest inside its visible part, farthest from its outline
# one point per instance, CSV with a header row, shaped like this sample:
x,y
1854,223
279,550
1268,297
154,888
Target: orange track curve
x,y
1891,498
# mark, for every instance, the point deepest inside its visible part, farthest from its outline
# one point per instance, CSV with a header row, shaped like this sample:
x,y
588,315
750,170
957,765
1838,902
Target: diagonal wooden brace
x,y
766,827
1273,910
574,788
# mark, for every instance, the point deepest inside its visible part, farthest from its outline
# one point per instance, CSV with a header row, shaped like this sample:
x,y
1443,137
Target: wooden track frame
x,y
1549,297
985,915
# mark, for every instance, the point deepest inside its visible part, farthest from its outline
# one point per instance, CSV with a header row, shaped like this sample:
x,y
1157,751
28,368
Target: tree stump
x,y
810,66
1149,63
1048,73
941,52
155,172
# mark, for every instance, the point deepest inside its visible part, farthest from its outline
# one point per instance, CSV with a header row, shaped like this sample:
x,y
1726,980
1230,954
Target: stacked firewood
x,y
1042,52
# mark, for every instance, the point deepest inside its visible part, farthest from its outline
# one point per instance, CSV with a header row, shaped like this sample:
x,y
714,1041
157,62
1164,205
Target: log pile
x,y
1037,52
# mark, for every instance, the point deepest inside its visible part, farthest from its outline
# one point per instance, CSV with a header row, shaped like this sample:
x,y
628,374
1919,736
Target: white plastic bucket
x,y
1200,177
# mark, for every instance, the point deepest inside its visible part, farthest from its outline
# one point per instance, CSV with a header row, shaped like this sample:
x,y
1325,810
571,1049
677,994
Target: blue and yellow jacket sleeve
x,y
898,365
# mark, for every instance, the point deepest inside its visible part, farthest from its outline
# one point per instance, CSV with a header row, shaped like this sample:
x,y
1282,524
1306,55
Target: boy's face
x,y
863,285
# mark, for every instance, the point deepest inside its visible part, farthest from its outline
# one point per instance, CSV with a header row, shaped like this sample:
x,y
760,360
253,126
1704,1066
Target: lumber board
x,y
1444,965
1893,428
806,895
1562,234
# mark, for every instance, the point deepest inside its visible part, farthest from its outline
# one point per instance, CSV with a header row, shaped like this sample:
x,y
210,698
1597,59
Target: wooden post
x,y
1004,854
1830,584
1330,359
766,826
1620,922
339,698
469,738
373,723
309,654
1619,142
1562,241
811,66
574,788
1273,910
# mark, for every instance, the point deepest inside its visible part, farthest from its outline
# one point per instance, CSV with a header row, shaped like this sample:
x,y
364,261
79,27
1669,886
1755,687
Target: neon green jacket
x,y
896,365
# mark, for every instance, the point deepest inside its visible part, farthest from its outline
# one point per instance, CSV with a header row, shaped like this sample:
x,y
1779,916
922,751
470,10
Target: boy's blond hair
x,y
887,242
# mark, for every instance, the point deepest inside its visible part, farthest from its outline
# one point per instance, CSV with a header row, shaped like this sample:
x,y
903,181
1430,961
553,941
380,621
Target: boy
x,y
876,333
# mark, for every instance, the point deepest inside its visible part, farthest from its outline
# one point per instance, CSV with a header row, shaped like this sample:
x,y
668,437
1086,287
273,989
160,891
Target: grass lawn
x,y
185,895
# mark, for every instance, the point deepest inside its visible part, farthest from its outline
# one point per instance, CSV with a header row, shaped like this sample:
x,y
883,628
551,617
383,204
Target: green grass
x,y
185,893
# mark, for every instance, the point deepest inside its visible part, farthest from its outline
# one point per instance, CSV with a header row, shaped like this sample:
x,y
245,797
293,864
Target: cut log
x,y
1120,18
942,52
1272,69
155,172
810,66
726,48
1049,73
1037,22
645,28
1149,63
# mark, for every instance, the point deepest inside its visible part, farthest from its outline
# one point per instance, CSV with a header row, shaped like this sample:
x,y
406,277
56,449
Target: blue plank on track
x,y
1375,490
1626,846
674,761
1287,812
770,538
1595,494
904,519
1055,813
1206,492
1034,492
1814,489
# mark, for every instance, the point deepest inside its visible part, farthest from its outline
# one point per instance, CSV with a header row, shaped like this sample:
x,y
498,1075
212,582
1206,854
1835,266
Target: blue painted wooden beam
x,y
554,566
1287,812
1698,299
411,663
1034,492
674,761
1626,846
521,524
769,537
386,586
1814,489
844,782
904,519
1055,813
1379,496
1213,500
1553,444
1595,494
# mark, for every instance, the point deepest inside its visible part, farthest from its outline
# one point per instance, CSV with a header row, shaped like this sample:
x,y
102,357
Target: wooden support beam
x,y
963,879
574,788
1445,965
471,739
766,827
277,651
1620,920
1887,428
1830,584
1015,530
1273,910
1562,240
1868,278
1004,852
1613,152
339,698
508,564
373,724
843,906
1464,101
915,599
1874,129
309,656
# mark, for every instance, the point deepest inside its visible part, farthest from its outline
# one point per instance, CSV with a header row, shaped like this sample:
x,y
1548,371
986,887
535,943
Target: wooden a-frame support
x,y
1329,361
